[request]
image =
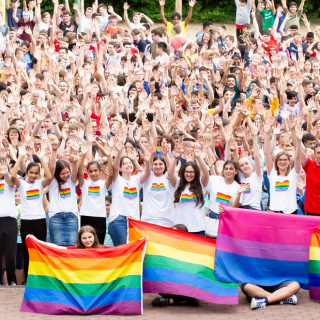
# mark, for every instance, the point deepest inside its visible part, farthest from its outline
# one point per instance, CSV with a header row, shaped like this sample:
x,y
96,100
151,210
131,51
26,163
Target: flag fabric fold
x,y
180,263
84,281
314,265
264,248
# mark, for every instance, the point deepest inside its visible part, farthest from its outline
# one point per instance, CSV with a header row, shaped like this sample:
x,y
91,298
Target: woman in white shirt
x,y
33,216
8,223
283,181
158,195
125,193
93,209
189,189
252,176
63,210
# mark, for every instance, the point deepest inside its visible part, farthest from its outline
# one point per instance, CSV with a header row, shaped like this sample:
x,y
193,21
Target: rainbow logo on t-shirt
x,y
223,198
188,197
2,188
130,193
33,194
94,191
248,191
158,187
282,186
65,193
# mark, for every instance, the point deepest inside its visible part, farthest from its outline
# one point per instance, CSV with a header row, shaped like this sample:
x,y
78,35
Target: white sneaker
x,y
258,303
13,283
291,300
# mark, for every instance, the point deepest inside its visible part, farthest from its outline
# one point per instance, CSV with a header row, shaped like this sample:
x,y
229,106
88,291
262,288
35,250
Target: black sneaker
x,y
23,283
193,302
160,302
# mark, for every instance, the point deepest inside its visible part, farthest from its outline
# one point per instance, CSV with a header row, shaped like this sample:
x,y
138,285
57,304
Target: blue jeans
x,y
118,230
212,214
248,207
63,228
200,233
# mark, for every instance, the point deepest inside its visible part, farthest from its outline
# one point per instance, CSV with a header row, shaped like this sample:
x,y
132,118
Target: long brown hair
x,y
90,230
282,153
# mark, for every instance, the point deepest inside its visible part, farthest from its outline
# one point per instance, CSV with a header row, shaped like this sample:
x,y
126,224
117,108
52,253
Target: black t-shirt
x,y
141,45
66,27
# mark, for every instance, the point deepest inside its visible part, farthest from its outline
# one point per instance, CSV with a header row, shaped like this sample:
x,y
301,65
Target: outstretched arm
x,y
188,18
163,18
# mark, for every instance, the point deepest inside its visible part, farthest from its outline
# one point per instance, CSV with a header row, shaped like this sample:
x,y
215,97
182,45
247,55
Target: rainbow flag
x,y
223,198
158,187
2,188
264,248
282,186
84,281
33,194
188,197
314,265
94,191
130,193
180,263
65,193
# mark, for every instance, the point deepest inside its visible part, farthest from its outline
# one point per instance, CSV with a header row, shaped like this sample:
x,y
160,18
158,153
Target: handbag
x,y
212,225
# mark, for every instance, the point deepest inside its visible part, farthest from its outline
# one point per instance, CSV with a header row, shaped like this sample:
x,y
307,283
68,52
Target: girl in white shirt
x,y
33,216
283,181
63,210
189,190
93,208
252,176
8,223
158,195
125,193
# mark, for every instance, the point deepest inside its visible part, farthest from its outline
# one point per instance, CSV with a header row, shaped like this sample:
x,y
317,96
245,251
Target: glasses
x,y
189,172
283,160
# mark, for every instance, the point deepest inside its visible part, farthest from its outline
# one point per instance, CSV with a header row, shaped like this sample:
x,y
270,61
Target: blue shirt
x,y
27,60
293,48
280,21
11,22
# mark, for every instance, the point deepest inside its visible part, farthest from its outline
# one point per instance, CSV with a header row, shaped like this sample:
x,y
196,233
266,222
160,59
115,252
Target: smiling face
x,y
126,166
189,174
245,166
33,174
65,174
283,162
158,167
87,240
93,172
229,171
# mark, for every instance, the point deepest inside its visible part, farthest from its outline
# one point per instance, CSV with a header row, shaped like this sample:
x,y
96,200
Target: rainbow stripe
x,y
130,193
188,197
2,188
248,191
94,191
33,194
180,263
75,281
314,265
65,193
223,198
282,186
256,241
158,187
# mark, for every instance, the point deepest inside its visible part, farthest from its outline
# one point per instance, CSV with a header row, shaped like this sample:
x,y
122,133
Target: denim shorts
x,y
63,228
118,230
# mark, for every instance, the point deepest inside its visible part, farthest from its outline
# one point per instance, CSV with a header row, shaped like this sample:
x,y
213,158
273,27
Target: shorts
x,y
270,289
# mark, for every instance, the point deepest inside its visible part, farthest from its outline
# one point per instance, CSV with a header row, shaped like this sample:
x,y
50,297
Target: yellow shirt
x,y
273,107
170,26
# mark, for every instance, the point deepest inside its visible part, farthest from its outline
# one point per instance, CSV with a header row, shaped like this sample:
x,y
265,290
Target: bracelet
x,y
309,111
220,97
8,106
2,112
54,122
180,134
247,115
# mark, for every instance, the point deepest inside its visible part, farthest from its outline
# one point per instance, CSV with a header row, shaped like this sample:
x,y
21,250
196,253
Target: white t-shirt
x,y
125,197
85,24
44,26
135,26
296,110
220,192
158,205
93,198
187,213
8,207
64,200
31,195
104,20
283,191
163,58
251,197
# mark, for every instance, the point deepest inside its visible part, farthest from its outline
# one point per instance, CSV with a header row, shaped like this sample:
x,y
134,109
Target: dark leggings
x,y
239,32
38,228
8,246
97,223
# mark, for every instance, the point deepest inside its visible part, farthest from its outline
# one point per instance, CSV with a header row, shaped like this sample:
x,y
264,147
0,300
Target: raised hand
x,y
126,6
299,132
3,167
243,187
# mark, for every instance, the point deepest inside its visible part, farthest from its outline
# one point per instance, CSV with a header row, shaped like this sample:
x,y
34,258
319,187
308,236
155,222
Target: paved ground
x,y
10,302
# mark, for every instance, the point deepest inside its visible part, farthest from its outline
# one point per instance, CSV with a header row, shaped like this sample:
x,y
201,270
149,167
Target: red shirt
x,y
176,42
267,45
97,118
312,194
133,52
56,45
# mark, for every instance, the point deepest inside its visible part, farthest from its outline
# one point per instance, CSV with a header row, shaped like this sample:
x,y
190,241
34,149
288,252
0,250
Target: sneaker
x,y
13,283
193,302
23,283
160,302
291,300
258,303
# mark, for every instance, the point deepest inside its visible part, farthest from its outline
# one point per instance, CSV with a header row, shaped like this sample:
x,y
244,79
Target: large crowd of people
x,y
100,124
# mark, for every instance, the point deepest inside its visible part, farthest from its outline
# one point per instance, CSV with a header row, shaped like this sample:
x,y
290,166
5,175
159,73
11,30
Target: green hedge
x,y
216,11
